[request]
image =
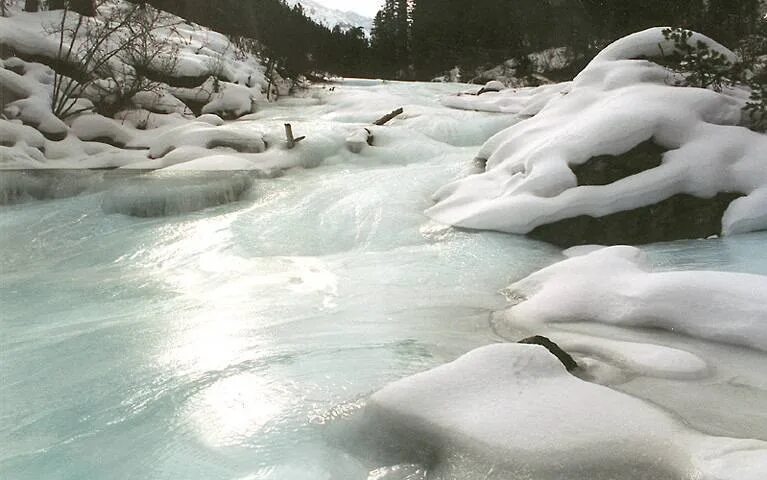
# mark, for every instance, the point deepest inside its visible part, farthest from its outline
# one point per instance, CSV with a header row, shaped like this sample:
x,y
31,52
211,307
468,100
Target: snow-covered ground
x,y
211,304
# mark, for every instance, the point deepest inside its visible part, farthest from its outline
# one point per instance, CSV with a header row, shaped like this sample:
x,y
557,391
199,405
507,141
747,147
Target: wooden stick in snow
x,y
386,118
289,135
357,141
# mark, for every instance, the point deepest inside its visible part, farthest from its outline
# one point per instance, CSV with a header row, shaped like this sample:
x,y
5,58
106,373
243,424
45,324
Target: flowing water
x,y
219,344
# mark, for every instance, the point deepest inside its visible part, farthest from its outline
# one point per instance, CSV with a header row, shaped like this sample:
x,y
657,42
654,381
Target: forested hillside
x,y
421,38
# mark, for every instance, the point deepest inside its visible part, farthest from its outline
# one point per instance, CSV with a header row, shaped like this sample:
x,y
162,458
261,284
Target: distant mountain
x,y
331,17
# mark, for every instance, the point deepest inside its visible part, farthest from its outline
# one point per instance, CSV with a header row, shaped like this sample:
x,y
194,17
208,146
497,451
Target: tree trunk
x,y
83,7
32,5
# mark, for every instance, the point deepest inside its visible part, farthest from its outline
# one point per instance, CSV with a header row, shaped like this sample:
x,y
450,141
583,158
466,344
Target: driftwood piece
x,y
564,357
291,141
386,118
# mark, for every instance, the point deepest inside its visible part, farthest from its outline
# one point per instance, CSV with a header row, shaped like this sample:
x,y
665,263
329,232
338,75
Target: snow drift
x,y
616,104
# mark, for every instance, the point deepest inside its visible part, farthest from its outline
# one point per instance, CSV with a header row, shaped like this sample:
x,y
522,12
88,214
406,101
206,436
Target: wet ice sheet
x,y
218,343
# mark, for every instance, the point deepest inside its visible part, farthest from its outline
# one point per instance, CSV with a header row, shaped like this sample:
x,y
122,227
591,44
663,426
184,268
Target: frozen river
x,y
220,344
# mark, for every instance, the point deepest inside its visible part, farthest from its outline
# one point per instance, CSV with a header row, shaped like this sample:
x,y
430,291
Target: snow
x,y
332,17
614,286
93,126
209,136
525,102
28,87
232,99
504,405
615,104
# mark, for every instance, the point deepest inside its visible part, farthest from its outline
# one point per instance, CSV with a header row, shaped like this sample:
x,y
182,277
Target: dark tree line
x,y
421,38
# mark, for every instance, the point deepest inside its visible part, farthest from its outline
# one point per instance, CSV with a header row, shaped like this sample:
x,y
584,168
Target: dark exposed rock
x,y
564,357
606,169
677,218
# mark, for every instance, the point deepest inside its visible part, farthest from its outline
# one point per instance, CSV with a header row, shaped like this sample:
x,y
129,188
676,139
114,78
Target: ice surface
x,y
166,193
221,343
615,104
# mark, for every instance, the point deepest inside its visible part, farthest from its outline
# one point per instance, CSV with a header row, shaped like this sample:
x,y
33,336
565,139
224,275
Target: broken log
x,y
386,118
564,357
291,141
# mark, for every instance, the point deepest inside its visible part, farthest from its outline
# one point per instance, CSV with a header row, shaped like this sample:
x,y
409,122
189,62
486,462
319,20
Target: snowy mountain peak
x,y
331,17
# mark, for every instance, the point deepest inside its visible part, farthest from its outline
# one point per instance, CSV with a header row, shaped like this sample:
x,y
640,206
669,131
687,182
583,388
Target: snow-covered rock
x,y
524,102
530,70
516,408
205,135
208,73
615,286
231,101
97,128
616,104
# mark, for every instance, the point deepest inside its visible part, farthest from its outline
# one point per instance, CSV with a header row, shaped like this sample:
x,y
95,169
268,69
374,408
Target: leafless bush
x,y
110,57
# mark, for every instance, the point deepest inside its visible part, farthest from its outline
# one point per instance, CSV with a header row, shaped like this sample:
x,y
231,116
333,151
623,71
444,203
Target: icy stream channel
x,y
220,344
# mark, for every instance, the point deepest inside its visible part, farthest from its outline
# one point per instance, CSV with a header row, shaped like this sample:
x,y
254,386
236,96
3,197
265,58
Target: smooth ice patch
x,y
163,194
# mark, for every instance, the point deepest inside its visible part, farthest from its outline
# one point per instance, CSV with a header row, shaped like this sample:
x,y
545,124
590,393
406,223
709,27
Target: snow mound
x,y
173,193
614,286
12,133
617,104
205,135
232,101
97,128
632,357
525,102
504,405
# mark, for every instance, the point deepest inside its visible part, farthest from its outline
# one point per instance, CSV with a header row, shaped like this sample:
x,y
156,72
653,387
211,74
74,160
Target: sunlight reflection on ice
x,y
235,408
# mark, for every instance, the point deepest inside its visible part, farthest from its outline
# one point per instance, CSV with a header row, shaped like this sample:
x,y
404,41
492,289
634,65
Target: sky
x,y
364,7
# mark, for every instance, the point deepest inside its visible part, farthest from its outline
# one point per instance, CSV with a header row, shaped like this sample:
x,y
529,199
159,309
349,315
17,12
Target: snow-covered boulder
x,y
160,102
516,408
231,101
97,128
13,133
615,286
205,135
708,177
